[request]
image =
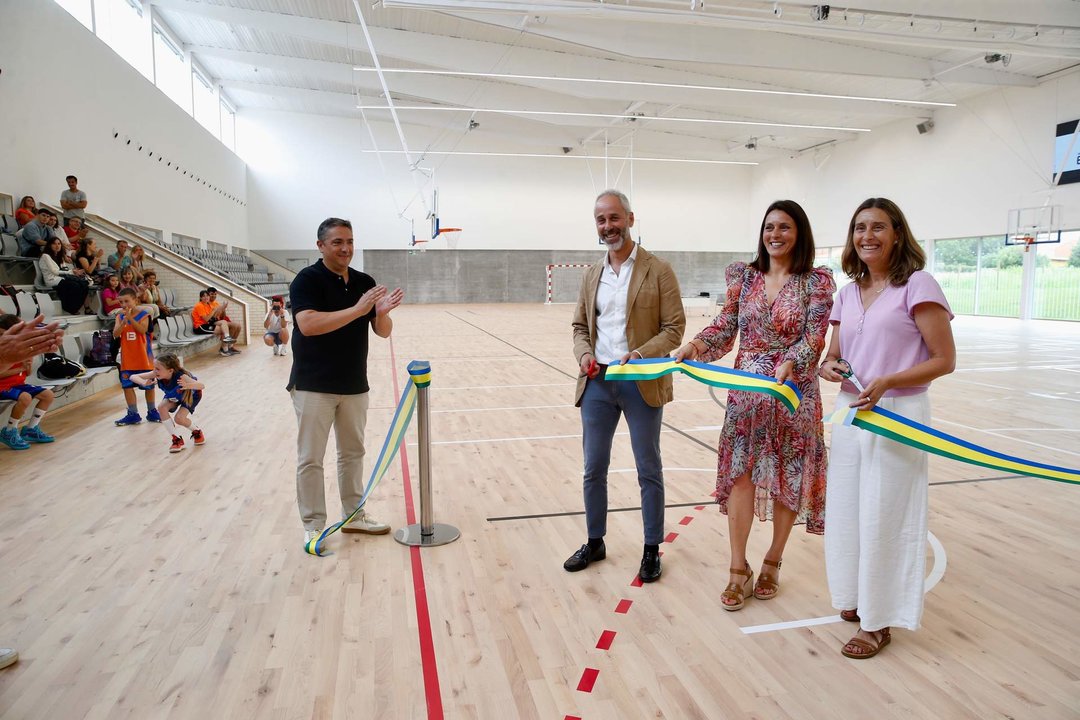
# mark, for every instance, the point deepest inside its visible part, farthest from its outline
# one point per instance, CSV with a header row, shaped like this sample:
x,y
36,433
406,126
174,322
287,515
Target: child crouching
x,y
182,390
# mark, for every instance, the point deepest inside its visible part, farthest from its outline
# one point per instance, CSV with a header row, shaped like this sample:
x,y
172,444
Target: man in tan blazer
x,y
629,307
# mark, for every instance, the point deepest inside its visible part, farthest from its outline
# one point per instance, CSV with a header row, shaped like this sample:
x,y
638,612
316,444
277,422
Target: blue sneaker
x,y
12,438
132,418
152,415
36,435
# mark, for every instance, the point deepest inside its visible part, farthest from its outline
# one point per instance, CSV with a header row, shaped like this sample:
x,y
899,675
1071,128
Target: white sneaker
x,y
310,535
364,524
8,656
282,350
275,350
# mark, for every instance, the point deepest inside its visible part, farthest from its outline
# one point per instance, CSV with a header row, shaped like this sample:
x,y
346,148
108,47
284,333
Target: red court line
x,y
588,679
671,537
606,638
699,507
624,606
572,717
423,618
636,582
686,520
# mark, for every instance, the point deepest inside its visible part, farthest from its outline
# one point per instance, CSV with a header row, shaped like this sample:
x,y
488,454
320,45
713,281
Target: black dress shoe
x,y
585,555
650,566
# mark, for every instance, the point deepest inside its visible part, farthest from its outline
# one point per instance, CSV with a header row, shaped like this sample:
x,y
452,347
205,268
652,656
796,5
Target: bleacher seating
x,y
237,268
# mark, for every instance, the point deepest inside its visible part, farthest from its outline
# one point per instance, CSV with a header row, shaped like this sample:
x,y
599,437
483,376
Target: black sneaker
x,y
650,566
585,555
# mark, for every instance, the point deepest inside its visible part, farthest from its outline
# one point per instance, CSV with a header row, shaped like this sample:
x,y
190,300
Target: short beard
x,y
618,244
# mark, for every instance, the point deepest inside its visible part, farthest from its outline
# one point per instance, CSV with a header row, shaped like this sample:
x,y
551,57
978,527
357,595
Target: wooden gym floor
x,y
138,584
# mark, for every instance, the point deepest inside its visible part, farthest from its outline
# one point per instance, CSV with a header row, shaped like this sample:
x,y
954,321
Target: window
x,y
81,10
121,26
1057,279
173,76
206,103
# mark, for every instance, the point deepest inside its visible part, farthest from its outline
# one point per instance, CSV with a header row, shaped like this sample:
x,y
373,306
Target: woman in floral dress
x,y
770,461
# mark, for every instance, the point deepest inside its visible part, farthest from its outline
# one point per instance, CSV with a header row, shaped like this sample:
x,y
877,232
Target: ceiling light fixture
x,y
645,83
611,116
577,157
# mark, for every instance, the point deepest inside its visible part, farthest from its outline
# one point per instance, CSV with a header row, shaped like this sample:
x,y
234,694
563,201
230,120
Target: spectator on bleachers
x,y
72,225
80,236
58,232
138,257
73,200
26,211
32,235
88,257
120,259
13,387
136,356
277,326
205,319
127,280
110,295
150,294
233,327
72,286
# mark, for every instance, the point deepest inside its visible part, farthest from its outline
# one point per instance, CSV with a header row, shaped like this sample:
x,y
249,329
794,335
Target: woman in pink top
x,y
770,462
892,329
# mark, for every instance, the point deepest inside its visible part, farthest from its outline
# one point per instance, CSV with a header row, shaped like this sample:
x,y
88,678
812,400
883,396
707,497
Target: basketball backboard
x,y
1034,226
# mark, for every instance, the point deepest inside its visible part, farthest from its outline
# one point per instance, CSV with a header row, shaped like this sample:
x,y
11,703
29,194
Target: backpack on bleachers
x,y
101,354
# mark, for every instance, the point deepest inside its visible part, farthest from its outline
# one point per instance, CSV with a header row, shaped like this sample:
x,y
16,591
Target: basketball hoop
x,y
1028,241
451,236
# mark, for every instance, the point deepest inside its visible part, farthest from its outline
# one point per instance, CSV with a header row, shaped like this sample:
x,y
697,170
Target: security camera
x,y
925,126
566,150
819,13
751,144
473,124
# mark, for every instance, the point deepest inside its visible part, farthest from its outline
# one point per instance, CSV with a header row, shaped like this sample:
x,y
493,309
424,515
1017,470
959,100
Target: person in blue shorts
x,y
182,391
13,386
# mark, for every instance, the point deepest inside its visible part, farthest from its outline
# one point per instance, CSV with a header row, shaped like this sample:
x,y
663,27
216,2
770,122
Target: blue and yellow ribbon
x,y
714,375
419,376
908,432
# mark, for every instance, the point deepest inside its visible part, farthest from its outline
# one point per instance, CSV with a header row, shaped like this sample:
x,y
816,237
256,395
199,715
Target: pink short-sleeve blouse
x,y
885,339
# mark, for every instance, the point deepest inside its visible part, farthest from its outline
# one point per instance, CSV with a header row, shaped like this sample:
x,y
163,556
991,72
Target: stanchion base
x,y
441,535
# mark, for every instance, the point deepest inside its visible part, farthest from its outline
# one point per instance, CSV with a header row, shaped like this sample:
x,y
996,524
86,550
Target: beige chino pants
x,y
315,413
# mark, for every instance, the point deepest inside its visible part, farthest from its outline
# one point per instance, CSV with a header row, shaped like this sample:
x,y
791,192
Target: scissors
x,y
849,374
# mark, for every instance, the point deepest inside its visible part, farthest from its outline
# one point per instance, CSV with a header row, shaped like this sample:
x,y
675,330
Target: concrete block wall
x,y
495,276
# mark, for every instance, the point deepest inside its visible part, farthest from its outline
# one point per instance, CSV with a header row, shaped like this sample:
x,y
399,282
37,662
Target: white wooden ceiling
x,y
312,56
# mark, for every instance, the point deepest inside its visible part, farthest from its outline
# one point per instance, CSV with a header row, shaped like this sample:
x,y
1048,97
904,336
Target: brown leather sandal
x,y
735,591
767,582
868,649
850,615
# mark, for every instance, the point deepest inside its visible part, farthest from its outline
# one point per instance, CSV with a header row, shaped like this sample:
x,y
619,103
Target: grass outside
x,y
1057,292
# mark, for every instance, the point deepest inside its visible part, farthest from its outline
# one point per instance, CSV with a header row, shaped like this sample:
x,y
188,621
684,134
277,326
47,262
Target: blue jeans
x,y
602,404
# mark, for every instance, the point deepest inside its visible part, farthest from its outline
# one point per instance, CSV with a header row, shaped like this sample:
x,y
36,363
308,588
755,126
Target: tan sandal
x,y
850,615
735,591
868,649
767,582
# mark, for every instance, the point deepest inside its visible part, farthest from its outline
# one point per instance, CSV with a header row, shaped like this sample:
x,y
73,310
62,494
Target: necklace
x,y
862,318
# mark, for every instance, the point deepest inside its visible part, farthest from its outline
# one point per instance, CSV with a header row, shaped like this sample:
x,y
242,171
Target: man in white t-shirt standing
x,y
73,200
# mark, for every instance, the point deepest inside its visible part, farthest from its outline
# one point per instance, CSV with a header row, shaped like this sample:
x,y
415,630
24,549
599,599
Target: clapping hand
x,y
388,302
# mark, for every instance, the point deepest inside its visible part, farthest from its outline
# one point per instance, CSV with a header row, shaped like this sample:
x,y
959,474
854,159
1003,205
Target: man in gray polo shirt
x,y
73,200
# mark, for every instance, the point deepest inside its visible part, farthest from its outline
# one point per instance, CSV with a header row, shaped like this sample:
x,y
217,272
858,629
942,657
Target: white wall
x,y
984,157
304,168
64,95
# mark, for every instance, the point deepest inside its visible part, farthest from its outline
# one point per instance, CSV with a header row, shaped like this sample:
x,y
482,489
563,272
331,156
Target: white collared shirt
x,y
611,295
